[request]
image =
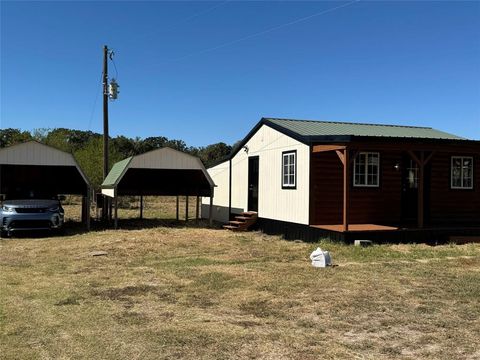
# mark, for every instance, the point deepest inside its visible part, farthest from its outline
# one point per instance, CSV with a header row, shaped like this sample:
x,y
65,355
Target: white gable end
x,y
34,153
165,158
274,202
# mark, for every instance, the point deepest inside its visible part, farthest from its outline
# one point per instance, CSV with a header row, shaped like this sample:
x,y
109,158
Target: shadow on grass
x,y
72,228
138,224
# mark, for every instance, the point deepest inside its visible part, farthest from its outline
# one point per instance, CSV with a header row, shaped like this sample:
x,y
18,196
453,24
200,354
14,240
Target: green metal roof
x,y
310,128
314,131
116,173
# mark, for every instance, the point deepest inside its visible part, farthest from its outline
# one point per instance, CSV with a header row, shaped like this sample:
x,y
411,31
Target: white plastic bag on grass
x,y
320,258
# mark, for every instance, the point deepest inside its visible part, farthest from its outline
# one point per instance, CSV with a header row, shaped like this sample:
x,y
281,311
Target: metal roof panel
x,y
116,173
310,128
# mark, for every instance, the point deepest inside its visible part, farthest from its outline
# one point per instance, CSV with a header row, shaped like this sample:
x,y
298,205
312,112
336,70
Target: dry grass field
x,y
192,292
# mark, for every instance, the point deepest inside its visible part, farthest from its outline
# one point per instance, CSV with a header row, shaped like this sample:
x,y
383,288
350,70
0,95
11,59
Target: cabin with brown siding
x,y
352,181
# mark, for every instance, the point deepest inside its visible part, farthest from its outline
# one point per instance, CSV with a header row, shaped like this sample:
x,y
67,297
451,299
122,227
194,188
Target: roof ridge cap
x,y
352,123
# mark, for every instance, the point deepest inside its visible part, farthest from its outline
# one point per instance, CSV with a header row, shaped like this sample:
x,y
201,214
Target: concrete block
x,y
363,242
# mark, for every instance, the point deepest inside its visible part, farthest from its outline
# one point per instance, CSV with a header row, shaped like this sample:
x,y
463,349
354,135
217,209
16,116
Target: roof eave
x,y
352,138
263,121
415,139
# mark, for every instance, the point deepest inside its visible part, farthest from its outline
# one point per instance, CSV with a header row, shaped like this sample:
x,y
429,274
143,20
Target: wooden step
x,y
233,222
242,222
242,217
230,227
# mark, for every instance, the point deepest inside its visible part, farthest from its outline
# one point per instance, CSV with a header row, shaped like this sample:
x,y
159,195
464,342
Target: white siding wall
x,y
273,201
220,176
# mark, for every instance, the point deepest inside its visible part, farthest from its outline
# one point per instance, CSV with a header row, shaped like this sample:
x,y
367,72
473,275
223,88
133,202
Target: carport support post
x,y
197,209
178,205
186,208
88,209
210,210
141,207
110,212
84,212
116,212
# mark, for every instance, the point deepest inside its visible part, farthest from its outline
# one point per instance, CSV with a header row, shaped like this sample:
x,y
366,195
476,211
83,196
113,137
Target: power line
x,y
94,104
183,21
261,32
115,67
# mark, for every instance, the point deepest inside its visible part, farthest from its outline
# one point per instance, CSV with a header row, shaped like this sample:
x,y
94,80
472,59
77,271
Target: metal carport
x,y
38,169
160,172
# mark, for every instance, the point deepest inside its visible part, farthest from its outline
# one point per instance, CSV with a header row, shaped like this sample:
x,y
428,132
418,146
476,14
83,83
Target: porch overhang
x,y
421,153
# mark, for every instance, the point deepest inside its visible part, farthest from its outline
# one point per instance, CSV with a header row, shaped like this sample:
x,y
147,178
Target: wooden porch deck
x,y
356,227
377,227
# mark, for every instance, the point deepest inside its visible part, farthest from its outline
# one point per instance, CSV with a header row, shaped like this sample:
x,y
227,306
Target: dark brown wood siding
x,y
379,205
326,191
383,205
453,205
367,204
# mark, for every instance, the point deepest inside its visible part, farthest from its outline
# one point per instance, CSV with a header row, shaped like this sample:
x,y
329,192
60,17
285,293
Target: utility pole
x,y
110,91
105,111
105,129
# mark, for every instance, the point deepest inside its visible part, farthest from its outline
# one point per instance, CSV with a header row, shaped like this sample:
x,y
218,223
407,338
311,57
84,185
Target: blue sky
x,y
186,73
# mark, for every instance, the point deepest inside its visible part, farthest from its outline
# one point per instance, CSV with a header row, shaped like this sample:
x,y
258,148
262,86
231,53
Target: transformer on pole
x,y
113,89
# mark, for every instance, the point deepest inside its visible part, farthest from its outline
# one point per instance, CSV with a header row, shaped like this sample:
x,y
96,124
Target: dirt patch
x,y
123,293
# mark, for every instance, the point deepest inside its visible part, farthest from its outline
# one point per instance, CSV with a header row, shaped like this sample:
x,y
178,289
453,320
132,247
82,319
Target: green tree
x,y
124,146
152,143
213,153
9,137
90,159
69,140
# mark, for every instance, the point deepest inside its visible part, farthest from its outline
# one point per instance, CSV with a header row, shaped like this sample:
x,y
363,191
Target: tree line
x,y
87,147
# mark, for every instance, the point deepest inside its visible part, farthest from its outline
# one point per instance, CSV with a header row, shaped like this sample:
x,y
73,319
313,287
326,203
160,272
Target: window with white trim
x,y
289,169
366,169
462,172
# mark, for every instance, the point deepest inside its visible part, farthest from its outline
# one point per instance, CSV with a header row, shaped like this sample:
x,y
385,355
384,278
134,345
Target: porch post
x,y
141,207
186,208
421,183
346,188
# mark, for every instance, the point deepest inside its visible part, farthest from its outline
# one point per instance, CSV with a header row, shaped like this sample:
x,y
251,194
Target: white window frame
x,y
366,153
288,185
461,173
